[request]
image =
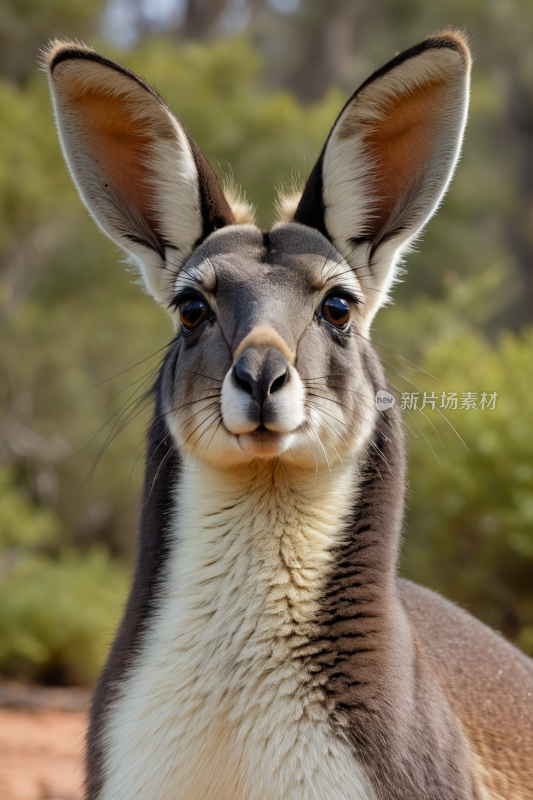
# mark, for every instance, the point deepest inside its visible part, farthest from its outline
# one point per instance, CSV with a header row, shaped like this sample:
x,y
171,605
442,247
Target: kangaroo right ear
x,y
137,169
388,160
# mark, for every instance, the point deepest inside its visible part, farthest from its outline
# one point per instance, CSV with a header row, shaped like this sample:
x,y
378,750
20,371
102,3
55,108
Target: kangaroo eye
x,y
336,310
193,313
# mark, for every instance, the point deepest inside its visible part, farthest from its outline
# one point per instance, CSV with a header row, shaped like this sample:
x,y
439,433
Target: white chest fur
x,y
223,703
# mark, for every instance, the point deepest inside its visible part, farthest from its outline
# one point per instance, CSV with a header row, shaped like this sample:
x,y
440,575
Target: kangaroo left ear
x,y
389,158
138,170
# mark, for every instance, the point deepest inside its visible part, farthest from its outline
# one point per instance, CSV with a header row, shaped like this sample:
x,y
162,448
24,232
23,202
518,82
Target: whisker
x,y
110,438
307,449
420,429
341,422
344,443
211,439
351,410
312,430
342,389
214,413
401,359
209,377
195,413
435,408
160,467
331,443
101,383
353,430
199,426
144,379
380,454
200,400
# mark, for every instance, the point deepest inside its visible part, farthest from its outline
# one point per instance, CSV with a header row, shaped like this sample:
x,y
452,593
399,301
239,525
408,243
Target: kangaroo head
x,y
271,356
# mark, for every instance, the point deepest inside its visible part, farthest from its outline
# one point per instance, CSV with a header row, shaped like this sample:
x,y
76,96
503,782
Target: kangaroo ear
x,y
389,158
138,170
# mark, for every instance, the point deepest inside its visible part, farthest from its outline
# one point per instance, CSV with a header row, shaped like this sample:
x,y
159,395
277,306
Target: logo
x,y
384,400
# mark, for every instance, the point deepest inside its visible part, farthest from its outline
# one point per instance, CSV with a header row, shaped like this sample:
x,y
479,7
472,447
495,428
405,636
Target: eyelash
x,y
185,296
344,294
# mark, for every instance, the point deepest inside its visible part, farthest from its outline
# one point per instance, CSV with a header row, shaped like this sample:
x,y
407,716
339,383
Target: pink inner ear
x,y
400,145
120,147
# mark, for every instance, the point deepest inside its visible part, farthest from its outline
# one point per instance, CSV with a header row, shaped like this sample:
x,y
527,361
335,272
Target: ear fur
x,y
138,170
389,159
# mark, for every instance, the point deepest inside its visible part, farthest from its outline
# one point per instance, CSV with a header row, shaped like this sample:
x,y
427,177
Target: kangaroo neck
x,y
312,560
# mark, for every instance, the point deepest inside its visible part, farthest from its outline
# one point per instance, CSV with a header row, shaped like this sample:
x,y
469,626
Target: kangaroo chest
x,y
224,701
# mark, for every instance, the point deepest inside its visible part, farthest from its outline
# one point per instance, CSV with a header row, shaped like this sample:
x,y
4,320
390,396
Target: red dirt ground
x,y
41,753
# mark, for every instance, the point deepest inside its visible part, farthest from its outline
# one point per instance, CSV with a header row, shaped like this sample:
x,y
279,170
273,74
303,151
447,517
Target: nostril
x,y
279,382
243,379
260,373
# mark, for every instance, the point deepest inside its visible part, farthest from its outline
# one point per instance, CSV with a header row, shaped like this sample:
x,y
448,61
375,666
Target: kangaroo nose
x,y
261,372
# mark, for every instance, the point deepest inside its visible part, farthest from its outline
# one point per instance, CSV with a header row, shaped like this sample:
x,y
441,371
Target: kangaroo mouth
x,y
264,443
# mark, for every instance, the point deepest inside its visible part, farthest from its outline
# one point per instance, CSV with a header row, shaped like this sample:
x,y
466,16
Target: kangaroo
x,y
268,650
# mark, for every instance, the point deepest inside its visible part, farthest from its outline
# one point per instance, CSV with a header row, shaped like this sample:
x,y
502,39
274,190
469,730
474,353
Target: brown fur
x,y
120,144
489,685
264,336
396,147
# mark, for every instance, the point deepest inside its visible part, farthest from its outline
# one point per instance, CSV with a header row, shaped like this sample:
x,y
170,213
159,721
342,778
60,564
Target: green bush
x,y
22,524
469,530
59,615
58,606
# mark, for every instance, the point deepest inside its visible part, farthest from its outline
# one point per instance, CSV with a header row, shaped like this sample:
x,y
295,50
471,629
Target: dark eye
x,y
193,313
336,310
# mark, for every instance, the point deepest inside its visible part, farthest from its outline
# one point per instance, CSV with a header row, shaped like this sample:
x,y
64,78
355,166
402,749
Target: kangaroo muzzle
x,y
263,397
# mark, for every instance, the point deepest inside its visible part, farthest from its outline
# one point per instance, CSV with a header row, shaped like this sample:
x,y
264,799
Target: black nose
x,y
261,372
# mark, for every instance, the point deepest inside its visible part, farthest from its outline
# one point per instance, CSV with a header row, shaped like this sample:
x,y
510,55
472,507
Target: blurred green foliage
x,y
469,528
24,525
80,343
59,606
474,540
